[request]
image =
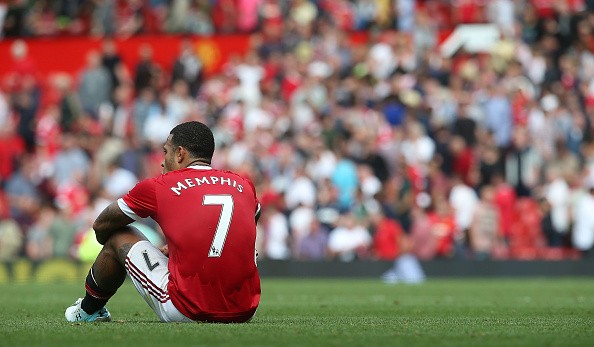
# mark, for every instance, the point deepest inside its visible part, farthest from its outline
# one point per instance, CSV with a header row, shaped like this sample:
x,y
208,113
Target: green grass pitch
x,y
307,312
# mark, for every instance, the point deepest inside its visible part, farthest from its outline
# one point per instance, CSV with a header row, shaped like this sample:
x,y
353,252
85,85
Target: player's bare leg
x,y
105,277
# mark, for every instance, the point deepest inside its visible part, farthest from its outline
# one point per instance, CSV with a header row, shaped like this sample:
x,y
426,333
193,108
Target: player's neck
x,y
199,162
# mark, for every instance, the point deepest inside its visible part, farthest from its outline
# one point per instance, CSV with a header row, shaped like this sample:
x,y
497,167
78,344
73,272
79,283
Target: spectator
x,y
301,191
422,239
71,163
118,121
188,67
558,195
498,116
13,23
490,164
322,163
95,85
369,183
505,200
463,160
463,200
554,240
224,15
387,237
417,148
22,193
405,15
26,105
327,204
249,19
443,230
501,13
147,72
111,60
303,12
22,84
300,223
12,147
103,18
61,231
484,234
156,125
198,20
178,16
465,126
38,246
398,199
69,103
349,241
118,181
314,246
381,60
276,233
582,236
145,105
48,129
522,164
179,105
344,178
41,19
250,74
130,17
11,237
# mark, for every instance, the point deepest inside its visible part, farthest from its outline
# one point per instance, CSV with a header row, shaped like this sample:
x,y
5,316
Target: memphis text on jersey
x,y
195,182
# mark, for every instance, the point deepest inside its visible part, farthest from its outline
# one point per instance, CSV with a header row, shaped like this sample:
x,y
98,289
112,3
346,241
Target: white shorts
x,y
147,267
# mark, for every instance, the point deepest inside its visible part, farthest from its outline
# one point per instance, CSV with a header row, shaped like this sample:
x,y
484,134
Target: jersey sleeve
x,y
141,201
258,208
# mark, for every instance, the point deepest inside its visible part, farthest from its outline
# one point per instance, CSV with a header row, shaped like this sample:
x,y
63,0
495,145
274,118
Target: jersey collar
x,y
200,167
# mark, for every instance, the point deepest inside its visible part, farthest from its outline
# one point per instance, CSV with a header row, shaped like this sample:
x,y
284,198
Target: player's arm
x,y
110,219
258,213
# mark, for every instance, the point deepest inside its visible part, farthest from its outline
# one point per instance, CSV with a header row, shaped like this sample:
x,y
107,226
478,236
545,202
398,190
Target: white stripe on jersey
x,y
127,210
199,167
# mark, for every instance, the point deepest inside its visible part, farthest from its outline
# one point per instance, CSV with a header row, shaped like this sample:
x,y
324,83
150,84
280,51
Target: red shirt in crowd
x,y
386,240
208,218
443,227
11,147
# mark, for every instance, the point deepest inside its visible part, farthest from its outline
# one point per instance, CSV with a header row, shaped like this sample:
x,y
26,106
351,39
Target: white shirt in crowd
x,y
463,200
558,195
277,234
582,236
300,222
322,167
300,191
344,241
119,182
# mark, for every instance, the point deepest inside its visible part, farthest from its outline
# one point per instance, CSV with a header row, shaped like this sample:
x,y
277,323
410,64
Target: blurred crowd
x,y
357,151
46,18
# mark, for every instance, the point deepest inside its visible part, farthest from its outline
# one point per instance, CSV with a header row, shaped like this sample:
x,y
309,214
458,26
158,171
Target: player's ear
x,y
180,154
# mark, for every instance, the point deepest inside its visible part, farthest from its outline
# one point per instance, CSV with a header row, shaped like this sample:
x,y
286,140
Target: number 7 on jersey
x,y
218,241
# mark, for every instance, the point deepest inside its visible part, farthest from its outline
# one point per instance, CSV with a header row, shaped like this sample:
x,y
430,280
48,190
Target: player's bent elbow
x,y
101,239
100,234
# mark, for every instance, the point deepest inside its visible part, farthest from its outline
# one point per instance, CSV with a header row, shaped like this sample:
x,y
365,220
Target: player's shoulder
x,y
232,174
237,177
153,182
172,175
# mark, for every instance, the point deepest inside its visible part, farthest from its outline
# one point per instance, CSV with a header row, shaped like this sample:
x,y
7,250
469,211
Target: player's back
x,y
208,218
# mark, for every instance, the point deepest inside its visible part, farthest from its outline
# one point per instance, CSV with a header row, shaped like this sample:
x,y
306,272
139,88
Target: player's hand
x,y
165,250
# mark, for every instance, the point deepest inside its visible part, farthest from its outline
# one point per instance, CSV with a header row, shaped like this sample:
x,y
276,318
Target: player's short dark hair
x,y
196,138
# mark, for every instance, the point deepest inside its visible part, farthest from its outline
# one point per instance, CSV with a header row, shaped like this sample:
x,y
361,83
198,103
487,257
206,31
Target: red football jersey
x,y
208,218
